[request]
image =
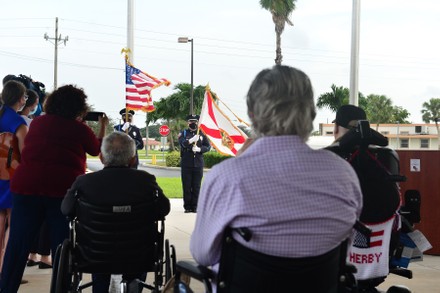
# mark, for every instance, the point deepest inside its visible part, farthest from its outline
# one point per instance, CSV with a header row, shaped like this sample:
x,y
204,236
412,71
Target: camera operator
x,y
55,154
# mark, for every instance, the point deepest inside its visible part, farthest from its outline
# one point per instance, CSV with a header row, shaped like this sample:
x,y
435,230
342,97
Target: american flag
x,y
138,88
226,138
374,240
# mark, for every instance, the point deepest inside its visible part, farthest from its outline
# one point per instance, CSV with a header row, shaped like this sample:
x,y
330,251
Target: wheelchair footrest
x,y
402,272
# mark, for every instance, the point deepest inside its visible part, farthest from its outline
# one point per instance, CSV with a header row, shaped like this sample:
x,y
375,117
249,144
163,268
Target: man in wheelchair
x,y
116,212
378,171
288,196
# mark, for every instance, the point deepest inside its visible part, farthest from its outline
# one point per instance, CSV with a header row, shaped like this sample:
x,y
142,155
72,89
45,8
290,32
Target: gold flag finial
x,y
126,51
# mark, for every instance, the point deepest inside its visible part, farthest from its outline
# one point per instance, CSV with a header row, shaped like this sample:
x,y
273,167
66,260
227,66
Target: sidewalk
x,y
178,230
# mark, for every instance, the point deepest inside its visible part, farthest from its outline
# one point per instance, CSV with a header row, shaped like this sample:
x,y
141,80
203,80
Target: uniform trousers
x,y
191,182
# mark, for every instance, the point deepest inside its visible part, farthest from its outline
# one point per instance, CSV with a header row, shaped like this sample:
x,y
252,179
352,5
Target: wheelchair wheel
x,y
62,282
167,261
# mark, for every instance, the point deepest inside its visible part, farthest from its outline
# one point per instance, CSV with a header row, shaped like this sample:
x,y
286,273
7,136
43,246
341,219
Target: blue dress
x,y
9,122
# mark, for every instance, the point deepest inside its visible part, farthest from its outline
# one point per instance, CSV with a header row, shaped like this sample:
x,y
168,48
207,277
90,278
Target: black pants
x,y
191,181
41,245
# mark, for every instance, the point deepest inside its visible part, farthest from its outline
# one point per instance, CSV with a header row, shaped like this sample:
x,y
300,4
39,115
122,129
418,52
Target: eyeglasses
x,y
26,97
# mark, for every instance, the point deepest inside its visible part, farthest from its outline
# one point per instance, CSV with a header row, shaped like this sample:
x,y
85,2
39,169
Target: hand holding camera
x,y
93,116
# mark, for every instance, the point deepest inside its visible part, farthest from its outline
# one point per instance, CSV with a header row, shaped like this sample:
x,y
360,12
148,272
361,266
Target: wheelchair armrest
x,y
402,272
349,268
194,270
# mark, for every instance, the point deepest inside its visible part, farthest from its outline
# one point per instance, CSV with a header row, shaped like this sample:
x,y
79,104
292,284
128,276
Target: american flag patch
x,y
363,241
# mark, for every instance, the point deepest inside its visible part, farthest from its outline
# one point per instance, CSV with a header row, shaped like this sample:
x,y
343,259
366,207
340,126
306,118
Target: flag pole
x,y
130,46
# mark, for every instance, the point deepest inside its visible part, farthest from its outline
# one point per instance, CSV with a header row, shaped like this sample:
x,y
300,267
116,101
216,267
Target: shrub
x,y
212,158
172,159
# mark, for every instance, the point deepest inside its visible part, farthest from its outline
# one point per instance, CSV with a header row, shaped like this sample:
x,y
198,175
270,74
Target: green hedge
x,y
172,159
211,158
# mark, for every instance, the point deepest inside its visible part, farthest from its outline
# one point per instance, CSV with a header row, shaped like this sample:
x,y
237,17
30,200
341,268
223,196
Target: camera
x,y
93,116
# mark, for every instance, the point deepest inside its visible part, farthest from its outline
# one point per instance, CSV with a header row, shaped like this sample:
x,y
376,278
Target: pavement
x,y
178,229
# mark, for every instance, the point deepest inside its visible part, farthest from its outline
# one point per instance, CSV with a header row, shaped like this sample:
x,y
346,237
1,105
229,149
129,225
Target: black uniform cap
x,y
192,117
123,111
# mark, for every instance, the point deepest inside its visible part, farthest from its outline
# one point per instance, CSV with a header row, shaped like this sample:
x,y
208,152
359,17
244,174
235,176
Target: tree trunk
x,y
170,136
279,56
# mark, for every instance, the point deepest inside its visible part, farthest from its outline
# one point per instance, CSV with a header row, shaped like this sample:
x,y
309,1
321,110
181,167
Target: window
x,y
385,132
329,133
404,143
424,143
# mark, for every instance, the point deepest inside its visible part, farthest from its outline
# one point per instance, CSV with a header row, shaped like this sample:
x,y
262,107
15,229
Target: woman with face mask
x,y
13,98
30,107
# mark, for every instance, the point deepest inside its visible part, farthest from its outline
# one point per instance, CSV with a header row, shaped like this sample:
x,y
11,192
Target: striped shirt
x,y
298,202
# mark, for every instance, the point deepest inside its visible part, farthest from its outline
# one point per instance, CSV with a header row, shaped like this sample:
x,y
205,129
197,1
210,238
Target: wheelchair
x,y
244,270
110,239
378,171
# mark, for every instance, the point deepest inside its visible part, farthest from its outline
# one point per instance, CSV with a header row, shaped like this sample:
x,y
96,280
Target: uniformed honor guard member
x,y
131,130
192,148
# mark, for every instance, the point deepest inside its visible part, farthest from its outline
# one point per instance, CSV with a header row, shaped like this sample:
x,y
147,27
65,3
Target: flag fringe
x,y
226,116
238,118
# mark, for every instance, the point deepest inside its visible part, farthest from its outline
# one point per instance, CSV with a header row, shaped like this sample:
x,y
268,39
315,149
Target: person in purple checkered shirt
x,y
298,202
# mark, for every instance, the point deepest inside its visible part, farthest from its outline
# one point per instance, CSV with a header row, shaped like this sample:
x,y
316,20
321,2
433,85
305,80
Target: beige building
x,y
401,136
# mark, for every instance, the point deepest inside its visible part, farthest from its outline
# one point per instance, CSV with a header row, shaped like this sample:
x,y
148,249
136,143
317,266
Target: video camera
x,y
30,84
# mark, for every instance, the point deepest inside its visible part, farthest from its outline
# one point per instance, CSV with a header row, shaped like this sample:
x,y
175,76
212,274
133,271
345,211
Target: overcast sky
x,y
233,41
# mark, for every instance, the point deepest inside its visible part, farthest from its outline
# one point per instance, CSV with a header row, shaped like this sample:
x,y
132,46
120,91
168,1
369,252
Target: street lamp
x,y
186,40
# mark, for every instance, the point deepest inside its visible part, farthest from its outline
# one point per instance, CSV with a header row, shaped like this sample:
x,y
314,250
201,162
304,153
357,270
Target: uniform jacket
x,y
187,157
134,133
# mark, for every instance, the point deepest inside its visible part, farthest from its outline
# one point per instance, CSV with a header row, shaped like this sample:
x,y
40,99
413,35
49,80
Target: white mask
x,y
32,112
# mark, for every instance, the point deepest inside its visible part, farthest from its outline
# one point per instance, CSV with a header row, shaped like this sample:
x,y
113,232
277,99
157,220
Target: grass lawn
x,y
171,186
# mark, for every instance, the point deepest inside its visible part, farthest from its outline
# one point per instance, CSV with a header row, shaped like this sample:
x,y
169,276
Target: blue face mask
x,y
32,112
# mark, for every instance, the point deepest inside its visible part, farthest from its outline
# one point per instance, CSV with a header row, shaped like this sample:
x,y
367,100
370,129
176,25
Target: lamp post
x,y
186,40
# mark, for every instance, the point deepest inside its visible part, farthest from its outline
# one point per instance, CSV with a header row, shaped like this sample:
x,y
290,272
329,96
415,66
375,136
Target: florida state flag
x,y
226,138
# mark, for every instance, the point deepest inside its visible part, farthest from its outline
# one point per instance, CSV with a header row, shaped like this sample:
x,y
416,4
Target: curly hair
x,y
67,101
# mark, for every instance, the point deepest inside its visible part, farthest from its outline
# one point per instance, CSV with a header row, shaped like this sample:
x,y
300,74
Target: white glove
x,y
125,126
196,149
193,139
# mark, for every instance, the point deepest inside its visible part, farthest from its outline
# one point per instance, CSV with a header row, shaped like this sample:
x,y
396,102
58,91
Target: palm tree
x,y
280,10
431,112
335,99
379,109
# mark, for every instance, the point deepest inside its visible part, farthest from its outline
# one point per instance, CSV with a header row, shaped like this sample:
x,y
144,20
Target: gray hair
x,y
117,149
280,102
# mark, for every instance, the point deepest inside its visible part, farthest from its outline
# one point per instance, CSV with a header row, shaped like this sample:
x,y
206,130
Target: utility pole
x,y
56,40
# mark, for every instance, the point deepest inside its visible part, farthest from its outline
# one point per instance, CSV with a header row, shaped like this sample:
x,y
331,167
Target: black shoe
x,y
194,211
188,211
31,263
44,265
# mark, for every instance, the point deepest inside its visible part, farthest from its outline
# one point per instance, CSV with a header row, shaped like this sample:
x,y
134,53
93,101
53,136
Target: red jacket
x,y
53,156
